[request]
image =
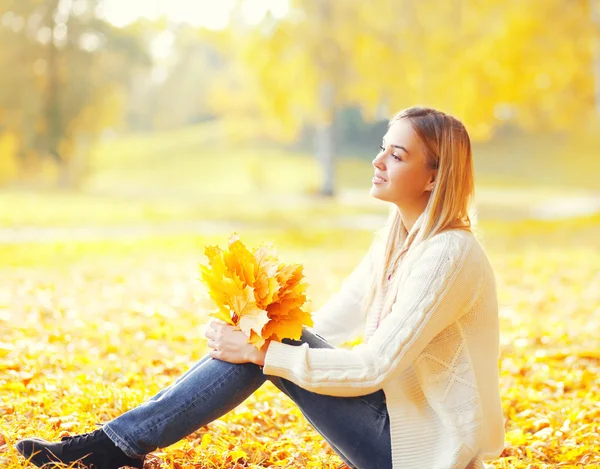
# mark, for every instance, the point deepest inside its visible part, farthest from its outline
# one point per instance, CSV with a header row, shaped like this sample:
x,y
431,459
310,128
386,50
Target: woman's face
x,y
402,175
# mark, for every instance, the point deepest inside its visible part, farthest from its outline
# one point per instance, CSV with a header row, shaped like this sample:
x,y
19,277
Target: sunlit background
x,y
135,132
134,112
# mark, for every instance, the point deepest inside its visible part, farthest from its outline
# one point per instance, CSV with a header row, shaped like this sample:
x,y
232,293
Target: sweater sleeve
x,y
435,292
343,317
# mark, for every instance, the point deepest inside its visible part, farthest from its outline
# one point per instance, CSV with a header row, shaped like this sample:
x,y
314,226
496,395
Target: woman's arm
x,y
437,289
340,319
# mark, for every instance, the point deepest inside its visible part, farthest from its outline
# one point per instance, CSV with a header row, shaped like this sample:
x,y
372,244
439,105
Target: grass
x,y
191,174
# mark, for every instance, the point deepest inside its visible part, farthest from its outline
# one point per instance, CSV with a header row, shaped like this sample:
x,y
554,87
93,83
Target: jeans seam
x,y
218,385
376,409
127,447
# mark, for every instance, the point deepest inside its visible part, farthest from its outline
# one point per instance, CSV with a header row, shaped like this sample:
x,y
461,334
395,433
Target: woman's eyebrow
x,y
400,147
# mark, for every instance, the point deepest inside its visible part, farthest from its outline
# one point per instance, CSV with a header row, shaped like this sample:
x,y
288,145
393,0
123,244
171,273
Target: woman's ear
x,y
431,184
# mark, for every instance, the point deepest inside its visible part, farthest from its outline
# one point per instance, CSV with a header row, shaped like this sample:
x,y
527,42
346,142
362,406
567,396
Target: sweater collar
x,y
418,223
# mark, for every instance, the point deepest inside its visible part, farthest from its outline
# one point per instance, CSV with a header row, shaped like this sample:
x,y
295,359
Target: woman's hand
x,y
231,345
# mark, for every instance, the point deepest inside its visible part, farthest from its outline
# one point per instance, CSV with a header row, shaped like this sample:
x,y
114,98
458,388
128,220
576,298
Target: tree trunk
x,y
324,144
326,65
324,140
52,110
52,101
73,171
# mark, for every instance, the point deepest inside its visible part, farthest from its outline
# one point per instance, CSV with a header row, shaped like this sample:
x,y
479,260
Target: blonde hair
x,y
447,148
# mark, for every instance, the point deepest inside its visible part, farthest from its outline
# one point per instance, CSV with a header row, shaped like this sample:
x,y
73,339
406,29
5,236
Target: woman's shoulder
x,y
453,238
456,244
470,253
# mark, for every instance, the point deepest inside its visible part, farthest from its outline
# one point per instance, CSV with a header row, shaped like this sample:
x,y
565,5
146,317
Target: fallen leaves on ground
x,y
87,336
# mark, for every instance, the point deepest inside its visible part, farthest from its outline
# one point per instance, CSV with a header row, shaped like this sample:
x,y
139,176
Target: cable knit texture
x,y
435,354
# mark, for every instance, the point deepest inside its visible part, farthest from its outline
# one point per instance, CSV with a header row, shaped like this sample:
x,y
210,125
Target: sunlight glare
x,y
206,13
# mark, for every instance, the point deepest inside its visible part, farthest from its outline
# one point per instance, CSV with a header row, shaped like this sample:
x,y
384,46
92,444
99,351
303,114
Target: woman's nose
x,y
378,161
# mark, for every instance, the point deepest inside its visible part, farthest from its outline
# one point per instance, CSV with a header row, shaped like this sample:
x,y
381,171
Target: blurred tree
x,y
491,63
187,65
299,64
65,74
68,74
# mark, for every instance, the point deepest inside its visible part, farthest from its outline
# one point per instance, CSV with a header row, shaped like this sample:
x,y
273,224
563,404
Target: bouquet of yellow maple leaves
x,y
256,292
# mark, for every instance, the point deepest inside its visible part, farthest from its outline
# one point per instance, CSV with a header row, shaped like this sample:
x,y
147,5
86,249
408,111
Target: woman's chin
x,y
376,193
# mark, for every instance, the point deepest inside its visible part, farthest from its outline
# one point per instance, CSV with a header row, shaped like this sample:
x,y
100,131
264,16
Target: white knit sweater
x,y
435,355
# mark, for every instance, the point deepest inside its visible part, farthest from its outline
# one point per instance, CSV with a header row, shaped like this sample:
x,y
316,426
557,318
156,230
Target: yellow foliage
x,y
486,62
255,292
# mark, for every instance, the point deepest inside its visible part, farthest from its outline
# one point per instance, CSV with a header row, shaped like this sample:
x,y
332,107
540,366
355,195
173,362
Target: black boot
x,y
93,450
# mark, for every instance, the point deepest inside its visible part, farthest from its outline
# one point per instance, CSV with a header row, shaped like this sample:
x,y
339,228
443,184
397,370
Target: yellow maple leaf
x,y
265,290
292,301
215,257
301,316
240,261
223,314
256,340
223,285
214,284
266,285
266,259
279,330
289,278
276,311
290,275
252,318
289,327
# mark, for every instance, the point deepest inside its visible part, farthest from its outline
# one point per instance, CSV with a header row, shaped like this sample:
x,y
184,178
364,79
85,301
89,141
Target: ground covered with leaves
x,y
88,330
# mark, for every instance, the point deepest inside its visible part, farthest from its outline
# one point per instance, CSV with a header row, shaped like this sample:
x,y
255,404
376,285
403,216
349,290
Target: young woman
x,y
422,389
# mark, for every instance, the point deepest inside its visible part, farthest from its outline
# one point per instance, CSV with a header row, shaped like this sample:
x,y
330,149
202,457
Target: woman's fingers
x,y
215,333
212,329
227,343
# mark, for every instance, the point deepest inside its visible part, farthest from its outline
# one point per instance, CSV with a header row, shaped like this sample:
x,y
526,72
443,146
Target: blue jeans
x,y
357,428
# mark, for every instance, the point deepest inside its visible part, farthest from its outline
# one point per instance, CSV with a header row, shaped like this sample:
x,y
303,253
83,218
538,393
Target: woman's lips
x,y
378,180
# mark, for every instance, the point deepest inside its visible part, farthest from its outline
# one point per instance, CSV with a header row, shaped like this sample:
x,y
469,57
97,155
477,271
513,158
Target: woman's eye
x,y
382,148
